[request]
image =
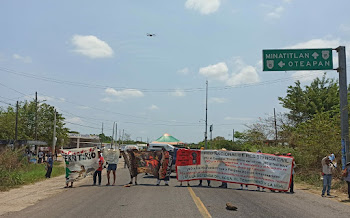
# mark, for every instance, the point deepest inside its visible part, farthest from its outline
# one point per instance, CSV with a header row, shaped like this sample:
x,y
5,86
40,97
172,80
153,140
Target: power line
x,y
13,89
6,103
83,125
97,86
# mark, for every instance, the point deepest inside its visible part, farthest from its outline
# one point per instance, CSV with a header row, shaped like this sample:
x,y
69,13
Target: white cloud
x,y
153,107
307,76
241,73
203,6
75,120
184,71
122,94
107,99
26,59
276,12
217,71
287,1
246,75
178,93
217,100
91,46
316,43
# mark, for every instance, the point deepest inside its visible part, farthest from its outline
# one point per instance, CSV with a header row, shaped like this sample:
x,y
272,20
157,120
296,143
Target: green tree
x,y
320,96
316,138
26,123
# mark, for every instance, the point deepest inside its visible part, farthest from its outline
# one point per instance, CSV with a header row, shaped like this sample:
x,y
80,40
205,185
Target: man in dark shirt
x,y
49,166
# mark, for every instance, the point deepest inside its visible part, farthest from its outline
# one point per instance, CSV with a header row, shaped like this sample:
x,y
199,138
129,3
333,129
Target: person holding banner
x,y
68,172
291,190
98,172
112,158
164,170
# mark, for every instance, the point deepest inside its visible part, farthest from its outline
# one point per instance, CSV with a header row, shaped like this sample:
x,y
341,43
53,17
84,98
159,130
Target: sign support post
x,y
315,59
343,94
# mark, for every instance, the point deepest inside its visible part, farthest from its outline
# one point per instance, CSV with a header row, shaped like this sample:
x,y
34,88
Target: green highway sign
x,y
297,59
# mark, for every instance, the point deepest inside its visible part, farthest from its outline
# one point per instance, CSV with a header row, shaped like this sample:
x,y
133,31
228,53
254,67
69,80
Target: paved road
x,y
148,200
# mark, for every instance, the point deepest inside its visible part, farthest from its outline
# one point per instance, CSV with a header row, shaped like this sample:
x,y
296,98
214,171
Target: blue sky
x,y
95,63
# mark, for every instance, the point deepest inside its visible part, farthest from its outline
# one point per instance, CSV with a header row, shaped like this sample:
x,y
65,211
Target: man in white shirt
x,y
327,168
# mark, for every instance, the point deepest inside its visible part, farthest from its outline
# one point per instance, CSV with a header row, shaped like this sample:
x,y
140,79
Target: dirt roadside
x,y
25,196
20,198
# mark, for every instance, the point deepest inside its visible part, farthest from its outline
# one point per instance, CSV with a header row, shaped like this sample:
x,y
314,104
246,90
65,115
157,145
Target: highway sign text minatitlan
x,y
297,59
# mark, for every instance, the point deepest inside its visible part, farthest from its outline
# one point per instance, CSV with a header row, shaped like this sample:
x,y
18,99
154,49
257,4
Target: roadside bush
x,y
11,161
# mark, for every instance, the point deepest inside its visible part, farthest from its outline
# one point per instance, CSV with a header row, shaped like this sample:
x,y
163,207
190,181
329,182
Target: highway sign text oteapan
x,y
297,59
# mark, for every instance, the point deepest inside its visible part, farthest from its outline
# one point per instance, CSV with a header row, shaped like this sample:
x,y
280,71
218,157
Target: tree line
x,y
309,130
34,122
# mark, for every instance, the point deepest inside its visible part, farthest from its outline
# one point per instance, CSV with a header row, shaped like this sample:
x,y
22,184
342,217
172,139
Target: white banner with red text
x,y
263,170
79,162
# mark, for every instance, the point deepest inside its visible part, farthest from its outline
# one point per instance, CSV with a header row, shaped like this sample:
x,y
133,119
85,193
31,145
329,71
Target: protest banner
x,y
152,162
79,162
111,156
263,170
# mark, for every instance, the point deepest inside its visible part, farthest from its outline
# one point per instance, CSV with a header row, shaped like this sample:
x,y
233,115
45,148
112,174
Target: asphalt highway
x,y
149,200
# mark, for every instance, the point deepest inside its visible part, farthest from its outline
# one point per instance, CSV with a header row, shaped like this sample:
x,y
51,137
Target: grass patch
x,y
311,179
36,172
15,169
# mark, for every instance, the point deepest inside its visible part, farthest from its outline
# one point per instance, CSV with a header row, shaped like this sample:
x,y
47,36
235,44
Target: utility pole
x,y
16,127
102,127
274,114
343,93
36,116
211,132
54,134
116,131
113,136
123,137
233,135
206,117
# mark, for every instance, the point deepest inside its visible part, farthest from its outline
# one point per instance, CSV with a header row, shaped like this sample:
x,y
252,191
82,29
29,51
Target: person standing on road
x,y
347,177
327,169
99,169
112,158
201,181
68,172
49,165
164,169
291,190
40,157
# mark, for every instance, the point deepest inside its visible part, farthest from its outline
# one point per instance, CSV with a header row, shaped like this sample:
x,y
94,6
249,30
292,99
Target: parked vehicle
x,y
158,147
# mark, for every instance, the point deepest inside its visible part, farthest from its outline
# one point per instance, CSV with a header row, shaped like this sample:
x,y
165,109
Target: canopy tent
x,y
167,139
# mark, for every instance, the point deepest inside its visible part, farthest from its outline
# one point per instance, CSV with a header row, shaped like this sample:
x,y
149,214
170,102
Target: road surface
x,y
149,200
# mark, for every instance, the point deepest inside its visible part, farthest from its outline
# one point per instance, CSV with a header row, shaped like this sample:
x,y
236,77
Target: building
x,y
83,141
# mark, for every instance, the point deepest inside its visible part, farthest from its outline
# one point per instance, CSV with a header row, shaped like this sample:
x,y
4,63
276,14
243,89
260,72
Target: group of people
x,y
328,166
258,188
98,173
